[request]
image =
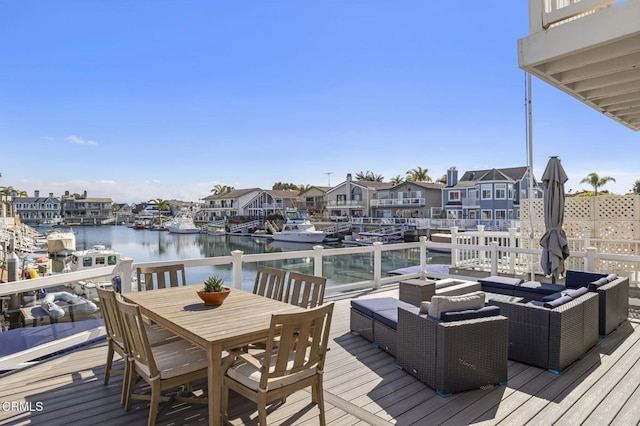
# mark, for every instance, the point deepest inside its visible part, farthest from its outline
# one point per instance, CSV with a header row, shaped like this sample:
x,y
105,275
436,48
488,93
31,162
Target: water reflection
x,y
146,246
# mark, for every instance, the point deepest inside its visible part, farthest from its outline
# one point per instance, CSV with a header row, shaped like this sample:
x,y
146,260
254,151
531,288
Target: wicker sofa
x,y
453,356
553,334
613,296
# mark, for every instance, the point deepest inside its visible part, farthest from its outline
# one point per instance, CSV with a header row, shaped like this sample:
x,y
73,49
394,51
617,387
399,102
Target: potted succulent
x,y
214,291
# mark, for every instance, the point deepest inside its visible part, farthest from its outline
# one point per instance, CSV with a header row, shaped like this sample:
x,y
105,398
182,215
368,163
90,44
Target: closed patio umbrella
x,y
554,241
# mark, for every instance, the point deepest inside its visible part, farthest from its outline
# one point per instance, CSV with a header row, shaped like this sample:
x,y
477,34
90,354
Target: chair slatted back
x,y
304,290
136,336
297,341
111,316
270,282
160,276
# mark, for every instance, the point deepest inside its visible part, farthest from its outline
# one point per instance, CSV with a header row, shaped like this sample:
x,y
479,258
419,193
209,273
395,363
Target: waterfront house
x,y
408,199
37,209
271,201
487,195
84,210
352,198
227,204
313,200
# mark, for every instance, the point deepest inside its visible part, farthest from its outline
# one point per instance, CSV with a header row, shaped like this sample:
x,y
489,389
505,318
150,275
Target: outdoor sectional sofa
x,y
457,350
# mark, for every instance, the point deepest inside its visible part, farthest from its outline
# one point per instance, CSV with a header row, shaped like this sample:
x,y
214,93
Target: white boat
x,y
183,223
299,230
61,241
97,256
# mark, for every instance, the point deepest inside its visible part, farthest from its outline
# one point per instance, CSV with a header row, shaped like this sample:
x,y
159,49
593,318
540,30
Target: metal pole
x,y
530,165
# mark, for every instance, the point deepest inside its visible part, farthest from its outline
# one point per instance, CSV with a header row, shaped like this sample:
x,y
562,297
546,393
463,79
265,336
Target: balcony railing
x,y
398,202
345,203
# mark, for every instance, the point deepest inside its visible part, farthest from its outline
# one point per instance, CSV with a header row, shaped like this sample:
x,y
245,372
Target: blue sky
x,y
141,99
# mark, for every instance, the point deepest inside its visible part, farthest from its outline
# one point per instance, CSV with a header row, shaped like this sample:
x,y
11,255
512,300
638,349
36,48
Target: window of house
x,y
356,194
511,192
501,214
485,215
454,195
501,191
485,191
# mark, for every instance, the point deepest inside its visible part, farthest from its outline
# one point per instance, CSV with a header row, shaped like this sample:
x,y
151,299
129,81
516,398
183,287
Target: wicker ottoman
x,y
416,290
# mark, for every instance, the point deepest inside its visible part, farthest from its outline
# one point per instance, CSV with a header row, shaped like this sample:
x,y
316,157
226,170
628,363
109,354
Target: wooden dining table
x,y
243,318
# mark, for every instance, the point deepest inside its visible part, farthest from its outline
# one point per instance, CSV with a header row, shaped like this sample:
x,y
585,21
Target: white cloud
x,y
77,140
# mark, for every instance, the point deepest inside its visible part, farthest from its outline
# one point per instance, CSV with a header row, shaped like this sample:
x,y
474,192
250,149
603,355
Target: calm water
x,y
146,246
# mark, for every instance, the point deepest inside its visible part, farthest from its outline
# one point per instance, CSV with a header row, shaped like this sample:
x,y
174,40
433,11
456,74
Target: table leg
x,y
215,383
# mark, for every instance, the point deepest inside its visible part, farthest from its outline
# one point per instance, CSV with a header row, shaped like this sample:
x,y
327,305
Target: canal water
x,y
147,245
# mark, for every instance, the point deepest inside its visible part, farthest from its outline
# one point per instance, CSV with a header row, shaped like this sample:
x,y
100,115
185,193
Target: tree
x,y
163,205
369,176
636,187
596,181
396,180
442,179
419,175
219,189
5,192
284,186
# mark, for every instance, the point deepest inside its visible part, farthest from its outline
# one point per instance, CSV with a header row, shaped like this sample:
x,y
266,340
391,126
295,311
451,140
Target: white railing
x,y
405,202
545,13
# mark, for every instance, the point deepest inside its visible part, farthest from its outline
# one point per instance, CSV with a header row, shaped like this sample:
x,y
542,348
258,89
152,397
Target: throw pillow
x,y
440,304
424,307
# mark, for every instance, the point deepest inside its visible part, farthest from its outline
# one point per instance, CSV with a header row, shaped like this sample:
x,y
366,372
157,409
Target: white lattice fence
x,y
615,217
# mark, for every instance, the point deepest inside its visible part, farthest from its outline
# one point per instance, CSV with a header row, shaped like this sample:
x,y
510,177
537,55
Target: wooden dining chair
x,y
163,367
115,337
295,362
162,276
304,290
269,282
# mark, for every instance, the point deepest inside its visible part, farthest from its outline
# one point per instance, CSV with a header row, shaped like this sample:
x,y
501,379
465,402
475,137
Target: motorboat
x,y
61,241
183,223
299,230
97,256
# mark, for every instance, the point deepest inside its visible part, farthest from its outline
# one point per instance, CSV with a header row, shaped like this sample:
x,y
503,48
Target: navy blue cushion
x,y
536,303
553,296
500,282
369,306
575,279
557,302
389,317
540,288
486,311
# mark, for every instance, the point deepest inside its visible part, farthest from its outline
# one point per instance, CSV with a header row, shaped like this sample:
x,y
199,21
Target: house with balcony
x,y
313,200
37,209
589,49
408,200
225,205
352,198
272,201
487,195
85,210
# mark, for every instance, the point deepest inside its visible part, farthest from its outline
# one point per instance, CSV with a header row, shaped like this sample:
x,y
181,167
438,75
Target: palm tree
x,y
596,181
397,179
369,176
636,187
219,189
5,192
418,175
163,205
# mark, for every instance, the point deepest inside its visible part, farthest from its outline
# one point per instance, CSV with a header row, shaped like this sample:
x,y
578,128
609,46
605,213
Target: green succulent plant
x,y
213,284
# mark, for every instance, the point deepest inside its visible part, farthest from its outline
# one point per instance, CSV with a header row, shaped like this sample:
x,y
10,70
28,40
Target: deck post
x,y
236,268
126,271
454,241
377,264
590,260
494,257
512,256
423,257
317,260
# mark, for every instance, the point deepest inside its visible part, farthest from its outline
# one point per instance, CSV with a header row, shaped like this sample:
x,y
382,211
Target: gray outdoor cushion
x,y
557,302
573,293
369,306
501,282
389,317
486,311
597,283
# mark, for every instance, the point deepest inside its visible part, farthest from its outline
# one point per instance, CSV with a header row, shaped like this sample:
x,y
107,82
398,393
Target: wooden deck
x,y
362,387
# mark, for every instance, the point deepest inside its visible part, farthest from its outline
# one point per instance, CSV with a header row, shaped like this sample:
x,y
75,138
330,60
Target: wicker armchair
x,y
551,338
453,356
613,297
